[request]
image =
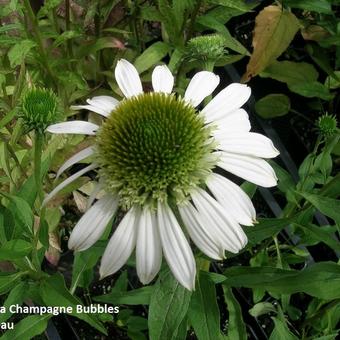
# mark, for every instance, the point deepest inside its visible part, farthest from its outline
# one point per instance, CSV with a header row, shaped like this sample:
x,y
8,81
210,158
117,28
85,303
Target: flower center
x,y
153,146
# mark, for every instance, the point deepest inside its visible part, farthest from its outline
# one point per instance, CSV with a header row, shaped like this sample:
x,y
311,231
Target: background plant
x,y
287,286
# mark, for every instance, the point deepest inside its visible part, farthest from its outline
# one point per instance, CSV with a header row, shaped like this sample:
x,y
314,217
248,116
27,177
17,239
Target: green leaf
x,y
273,105
267,227
140,296
320,279
240,5
18,52
7,224
290,72
14,249
311,89
203,313
236,326
168,307
281,331
82,273
261,308
27,328
333,83
319,6
95,45
8,280
15,296
328,206
320,234
21,211
152,55
54,293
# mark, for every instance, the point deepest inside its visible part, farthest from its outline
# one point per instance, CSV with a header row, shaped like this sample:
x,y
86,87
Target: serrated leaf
x,y
273,105
290,72
168,307
275,28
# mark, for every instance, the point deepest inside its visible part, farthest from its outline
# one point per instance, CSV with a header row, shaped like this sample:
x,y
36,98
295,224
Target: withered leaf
x,y
275,28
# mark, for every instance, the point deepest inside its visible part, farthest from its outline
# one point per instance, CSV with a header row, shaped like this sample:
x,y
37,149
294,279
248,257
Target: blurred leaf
x,y
96,45
173,298
8,280
275,28
290,72
18,52
14,249
333,83
27,328
152,55
236,326
320,279
273,105
319,6
262,308
203,313
311,89
240,5
281,331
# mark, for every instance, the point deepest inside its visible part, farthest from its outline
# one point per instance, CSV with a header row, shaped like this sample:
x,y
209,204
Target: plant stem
x,y
38,142
39,40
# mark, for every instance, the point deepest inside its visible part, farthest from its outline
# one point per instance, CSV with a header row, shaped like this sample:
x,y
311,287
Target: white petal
x,y
228,100
237,121
128,79
176,248
148,247
229,231
67,181
162,79
103,105
233,199
79,156
75,126
252,169
201,85
97,188
93,223
248,143
200,232
121,244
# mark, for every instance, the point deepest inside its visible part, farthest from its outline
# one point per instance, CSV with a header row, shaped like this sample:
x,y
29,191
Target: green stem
x,y
39,40
38,143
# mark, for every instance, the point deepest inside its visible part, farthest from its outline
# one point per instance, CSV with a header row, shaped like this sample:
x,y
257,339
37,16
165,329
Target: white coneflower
x,y
155,155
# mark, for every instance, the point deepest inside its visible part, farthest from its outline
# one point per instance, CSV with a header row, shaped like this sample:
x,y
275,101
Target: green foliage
x,y
58,54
